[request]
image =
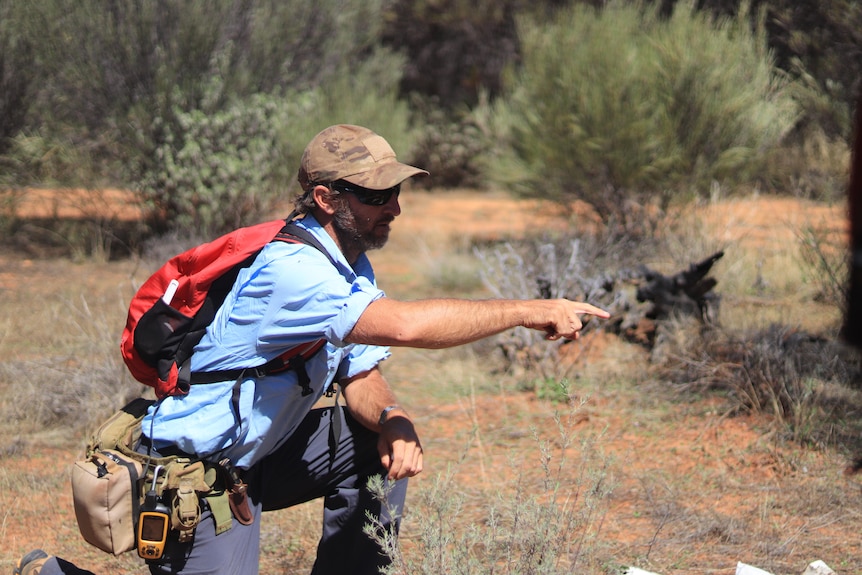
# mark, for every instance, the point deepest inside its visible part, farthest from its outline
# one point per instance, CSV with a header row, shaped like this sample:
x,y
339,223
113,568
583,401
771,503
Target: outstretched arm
x,y
440,323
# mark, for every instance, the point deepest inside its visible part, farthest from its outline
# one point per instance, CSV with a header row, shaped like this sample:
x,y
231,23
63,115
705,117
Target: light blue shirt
x,y
291,294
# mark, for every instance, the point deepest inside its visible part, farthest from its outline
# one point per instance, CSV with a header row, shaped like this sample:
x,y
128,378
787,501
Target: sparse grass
x,y
765,349
547,518
786,373
455,274
696,485
288,539
555,391
823,251
815,168
61,358
82,224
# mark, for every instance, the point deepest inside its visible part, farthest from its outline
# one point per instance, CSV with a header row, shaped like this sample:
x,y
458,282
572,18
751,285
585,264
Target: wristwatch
x,y
384,415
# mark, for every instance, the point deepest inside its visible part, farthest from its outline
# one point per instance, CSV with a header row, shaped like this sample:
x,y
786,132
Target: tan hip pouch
x,y
106,493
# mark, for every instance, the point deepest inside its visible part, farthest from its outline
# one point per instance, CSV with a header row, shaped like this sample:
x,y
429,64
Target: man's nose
x,y
393,205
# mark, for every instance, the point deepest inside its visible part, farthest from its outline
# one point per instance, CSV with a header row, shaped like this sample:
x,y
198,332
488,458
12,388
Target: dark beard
x,y
350,236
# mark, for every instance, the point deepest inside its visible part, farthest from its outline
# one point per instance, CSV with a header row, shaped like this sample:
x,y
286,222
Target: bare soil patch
x,y
695,490
108,203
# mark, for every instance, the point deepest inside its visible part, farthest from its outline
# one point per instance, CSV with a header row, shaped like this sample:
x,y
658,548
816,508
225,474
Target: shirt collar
x,y
362,267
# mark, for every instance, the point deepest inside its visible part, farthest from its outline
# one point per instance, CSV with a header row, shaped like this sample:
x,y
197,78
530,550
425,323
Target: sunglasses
x,y
367,196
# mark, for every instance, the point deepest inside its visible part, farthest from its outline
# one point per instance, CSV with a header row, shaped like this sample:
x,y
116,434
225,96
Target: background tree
x,y
818,40
626,110
124,82
17,72
103,94
455,49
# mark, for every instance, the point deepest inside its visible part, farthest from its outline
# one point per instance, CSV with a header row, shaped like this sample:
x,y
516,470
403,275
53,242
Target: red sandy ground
x,y
696,491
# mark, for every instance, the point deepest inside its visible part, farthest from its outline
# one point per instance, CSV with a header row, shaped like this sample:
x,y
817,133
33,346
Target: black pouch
x,y
159,336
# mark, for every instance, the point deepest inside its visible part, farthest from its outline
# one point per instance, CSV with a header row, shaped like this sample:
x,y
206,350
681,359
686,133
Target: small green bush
x,y
621,108
217,171
451,146
549,390
220,167
44,159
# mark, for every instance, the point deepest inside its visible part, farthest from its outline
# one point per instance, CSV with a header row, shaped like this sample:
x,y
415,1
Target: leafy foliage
x,y
456,49
802,34
126,83
365,94
16,72
452,144
216,171
219,167
625,105
819,40
621,108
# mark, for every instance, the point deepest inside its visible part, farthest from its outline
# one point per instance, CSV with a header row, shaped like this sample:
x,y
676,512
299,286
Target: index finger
x,y
590,309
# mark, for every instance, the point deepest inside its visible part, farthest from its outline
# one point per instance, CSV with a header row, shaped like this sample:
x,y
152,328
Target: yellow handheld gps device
x,y
153,523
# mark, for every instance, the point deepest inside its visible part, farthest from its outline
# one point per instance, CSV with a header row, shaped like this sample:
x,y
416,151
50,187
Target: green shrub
x,y
548,389
452,145
217,171
621,108
219,167
43,159
114,80
18,76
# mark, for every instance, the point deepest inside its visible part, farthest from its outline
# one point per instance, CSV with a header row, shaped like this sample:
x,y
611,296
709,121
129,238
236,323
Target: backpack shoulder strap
x,y
295,357
294,234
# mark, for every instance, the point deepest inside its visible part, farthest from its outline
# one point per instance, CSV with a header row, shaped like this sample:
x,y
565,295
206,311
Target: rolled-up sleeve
x,y
362,358
310,299
291,295
362,293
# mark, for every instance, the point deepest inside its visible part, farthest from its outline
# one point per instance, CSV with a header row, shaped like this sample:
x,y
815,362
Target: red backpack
x,y
170,312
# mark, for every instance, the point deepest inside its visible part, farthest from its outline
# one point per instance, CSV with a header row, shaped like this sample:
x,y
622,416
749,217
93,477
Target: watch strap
x,y
384,415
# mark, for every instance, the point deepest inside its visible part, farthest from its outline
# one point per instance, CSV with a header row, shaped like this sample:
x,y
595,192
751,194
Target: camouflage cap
x,y
355,154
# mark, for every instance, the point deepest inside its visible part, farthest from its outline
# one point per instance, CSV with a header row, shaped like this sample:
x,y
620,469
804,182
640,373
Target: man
x,y
288,450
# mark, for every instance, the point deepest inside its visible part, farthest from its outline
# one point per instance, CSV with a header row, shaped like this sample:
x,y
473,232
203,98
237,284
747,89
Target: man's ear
x,y
324,198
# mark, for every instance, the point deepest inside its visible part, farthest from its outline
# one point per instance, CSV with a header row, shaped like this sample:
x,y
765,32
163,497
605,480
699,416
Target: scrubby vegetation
x,y
802,377
629,111
627,106
626,113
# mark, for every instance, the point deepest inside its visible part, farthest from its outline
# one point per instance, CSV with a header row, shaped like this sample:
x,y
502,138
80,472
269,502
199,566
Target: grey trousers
x,y
310,465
